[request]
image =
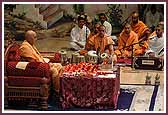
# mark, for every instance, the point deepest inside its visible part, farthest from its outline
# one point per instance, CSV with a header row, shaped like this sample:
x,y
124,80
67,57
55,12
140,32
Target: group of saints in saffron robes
x,y
135,35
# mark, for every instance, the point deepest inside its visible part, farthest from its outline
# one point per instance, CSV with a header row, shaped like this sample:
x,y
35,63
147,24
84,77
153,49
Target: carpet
x,y
144,98
131,98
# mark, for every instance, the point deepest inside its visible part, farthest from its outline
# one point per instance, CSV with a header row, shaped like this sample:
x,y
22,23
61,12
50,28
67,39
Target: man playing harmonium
x,y
29,52
127,39
156,43
161,23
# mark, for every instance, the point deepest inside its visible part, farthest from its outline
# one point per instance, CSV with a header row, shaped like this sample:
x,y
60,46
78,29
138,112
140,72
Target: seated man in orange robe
x,y
126,39
94,31
103,42
28,52
142,31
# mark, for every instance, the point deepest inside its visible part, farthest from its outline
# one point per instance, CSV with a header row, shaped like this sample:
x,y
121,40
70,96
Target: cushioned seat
x,y
30,86
32,69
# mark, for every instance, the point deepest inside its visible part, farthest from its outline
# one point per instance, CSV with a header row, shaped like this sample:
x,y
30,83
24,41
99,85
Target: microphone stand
x,y
132,57
132,51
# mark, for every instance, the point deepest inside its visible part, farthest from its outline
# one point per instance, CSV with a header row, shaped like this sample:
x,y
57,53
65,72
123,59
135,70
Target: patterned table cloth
x,y
95,92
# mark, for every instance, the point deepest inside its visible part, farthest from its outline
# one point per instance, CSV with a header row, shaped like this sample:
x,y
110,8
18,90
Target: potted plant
x,y
114,14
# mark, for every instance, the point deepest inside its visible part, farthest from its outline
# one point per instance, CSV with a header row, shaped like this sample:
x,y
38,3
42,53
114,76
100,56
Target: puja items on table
x,y
81,69
84,69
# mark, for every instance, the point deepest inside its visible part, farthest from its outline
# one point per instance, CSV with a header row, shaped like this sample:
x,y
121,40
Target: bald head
x,y
127,28
135,17
30,36
135,14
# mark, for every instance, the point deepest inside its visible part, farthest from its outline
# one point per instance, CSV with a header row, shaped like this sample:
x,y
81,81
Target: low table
x,y
95,92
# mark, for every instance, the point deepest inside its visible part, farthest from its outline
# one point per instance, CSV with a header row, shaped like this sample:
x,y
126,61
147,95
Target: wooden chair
x,y
29,87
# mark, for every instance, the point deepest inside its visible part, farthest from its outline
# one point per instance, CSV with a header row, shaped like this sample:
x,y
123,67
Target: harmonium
x,y
149,63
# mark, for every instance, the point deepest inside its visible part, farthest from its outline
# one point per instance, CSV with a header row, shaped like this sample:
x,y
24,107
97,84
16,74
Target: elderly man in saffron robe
x,y
29,52
142,31
126,39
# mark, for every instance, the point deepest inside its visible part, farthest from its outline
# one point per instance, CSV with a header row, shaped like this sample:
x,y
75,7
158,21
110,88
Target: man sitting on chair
x,y
29,52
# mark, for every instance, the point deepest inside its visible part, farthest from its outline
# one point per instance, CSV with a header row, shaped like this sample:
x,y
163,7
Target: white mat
x,y
142,98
